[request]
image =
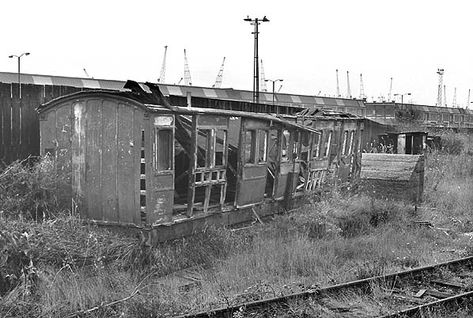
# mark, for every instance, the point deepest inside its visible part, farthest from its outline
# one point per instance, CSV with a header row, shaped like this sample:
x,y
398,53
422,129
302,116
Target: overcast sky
x,y
304,42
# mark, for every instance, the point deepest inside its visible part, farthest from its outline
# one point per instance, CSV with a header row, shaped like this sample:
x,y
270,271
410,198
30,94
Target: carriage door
x,y
253,161
317,164
162,188
285,163
208,166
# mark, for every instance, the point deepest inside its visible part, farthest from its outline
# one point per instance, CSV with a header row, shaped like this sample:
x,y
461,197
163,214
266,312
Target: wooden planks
x,y
109,161
389,167
138,126
78,143
93,157
394,176
125,173
63,147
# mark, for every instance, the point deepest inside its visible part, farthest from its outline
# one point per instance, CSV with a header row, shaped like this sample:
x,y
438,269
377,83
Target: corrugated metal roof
x,y
181,90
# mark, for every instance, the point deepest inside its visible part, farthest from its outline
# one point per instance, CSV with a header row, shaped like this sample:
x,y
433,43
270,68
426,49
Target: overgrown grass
x,y
59,267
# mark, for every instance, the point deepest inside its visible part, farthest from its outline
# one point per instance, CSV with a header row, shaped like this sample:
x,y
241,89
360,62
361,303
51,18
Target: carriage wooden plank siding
x,y
99,140
393,176
134,159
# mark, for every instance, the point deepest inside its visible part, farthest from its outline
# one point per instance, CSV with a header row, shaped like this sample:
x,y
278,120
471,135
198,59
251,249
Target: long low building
x,y
19,125
341,104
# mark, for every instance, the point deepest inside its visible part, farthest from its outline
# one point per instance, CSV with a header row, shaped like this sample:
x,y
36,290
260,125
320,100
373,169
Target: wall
x,y
19,125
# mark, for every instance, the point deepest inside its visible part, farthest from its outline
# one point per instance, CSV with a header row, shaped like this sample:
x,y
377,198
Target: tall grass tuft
x,y
29,190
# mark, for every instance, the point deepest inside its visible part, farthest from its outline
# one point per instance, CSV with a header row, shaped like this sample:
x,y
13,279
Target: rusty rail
x,y
362,284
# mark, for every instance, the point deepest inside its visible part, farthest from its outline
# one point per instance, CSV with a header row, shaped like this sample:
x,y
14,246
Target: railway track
x,y
407,293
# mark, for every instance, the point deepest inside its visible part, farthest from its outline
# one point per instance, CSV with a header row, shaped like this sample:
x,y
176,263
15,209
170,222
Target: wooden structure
x,y
393,176
134,159
409,143
336,150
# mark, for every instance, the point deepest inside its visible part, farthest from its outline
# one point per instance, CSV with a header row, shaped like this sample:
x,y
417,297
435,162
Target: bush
x,y
454,143
29,190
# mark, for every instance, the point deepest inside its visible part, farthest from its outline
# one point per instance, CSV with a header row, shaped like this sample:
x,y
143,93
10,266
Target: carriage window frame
x,y
158,147
327,143
316,145
262,145
344,142
351,142
250,147
285,148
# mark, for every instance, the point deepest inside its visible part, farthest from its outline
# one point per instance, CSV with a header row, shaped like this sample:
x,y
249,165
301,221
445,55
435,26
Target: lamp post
x,y
402,96
274,82
256,22
19,70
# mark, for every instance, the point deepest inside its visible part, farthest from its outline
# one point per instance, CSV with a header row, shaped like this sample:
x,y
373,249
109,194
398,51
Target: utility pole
x,y
256,22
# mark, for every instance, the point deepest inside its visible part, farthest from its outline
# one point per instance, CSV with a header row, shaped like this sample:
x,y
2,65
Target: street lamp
x,y
256,22
402,96
274,82
19,79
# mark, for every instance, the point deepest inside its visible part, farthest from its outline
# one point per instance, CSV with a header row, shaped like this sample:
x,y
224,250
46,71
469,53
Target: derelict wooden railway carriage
x,y
134,159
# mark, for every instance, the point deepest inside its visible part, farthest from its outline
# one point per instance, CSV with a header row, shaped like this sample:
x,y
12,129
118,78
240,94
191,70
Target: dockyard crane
x,y
390,90
187,72
468,101
338,84
86,74
218,81
362,89
262,79
445,95
348,85
454,102
440,87
162,74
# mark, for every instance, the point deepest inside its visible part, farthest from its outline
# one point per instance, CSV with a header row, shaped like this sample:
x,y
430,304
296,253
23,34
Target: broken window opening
x,y
272,159
286,137
163,158
203,143
262,146
305,145
221,143
316,146
328,141
352,139
250,146
296,144
345,143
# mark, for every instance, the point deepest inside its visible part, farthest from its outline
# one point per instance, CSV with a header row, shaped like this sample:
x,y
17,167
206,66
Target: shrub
x,y
452,143
29,190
